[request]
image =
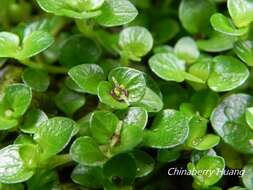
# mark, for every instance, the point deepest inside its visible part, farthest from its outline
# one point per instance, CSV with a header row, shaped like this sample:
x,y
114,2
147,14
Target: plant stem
x,y
42,66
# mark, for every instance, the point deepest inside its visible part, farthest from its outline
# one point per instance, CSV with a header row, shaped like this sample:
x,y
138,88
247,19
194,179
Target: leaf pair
x,y
214,167
197,138
109,136
22,159
168,67
107,13
242,15
31,45
224,74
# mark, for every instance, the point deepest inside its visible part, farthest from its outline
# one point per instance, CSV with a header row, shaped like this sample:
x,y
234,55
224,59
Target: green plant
x,y
113,94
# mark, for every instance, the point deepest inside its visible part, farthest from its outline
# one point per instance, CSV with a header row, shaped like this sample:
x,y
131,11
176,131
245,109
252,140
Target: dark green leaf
x,y
38,80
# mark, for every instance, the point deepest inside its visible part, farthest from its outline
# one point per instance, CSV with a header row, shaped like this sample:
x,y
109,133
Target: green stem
x,y
116,136
42,66
58,27
124,59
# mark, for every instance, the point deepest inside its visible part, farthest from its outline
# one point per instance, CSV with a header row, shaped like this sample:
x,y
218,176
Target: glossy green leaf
x,y
249,117
169,129
151,101
229,123
144,163
116,12
35,43
38,80
54,134
32,120
6,123
88,176
87,5
207,142
186,49
74,9
86,151
211,163
197,130
244,50
222,24
69,101
228,73
72,85
9,43
135,42
247,176
241,12
78,50
217,42
136,116
87,77
12,167
103,125
16,100
118,173
167,66
195,15
129,82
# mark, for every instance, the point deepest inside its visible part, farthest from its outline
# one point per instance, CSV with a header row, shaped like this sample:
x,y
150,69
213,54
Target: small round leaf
x,y
186,49
38,80
222,24
78,50
117,172
54,134
116,12
228,73
169,129
87,77
85,151
167,66
135,41
103,125
88,176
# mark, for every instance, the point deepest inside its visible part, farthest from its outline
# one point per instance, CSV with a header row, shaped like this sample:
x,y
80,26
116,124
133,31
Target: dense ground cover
x,y
121,94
